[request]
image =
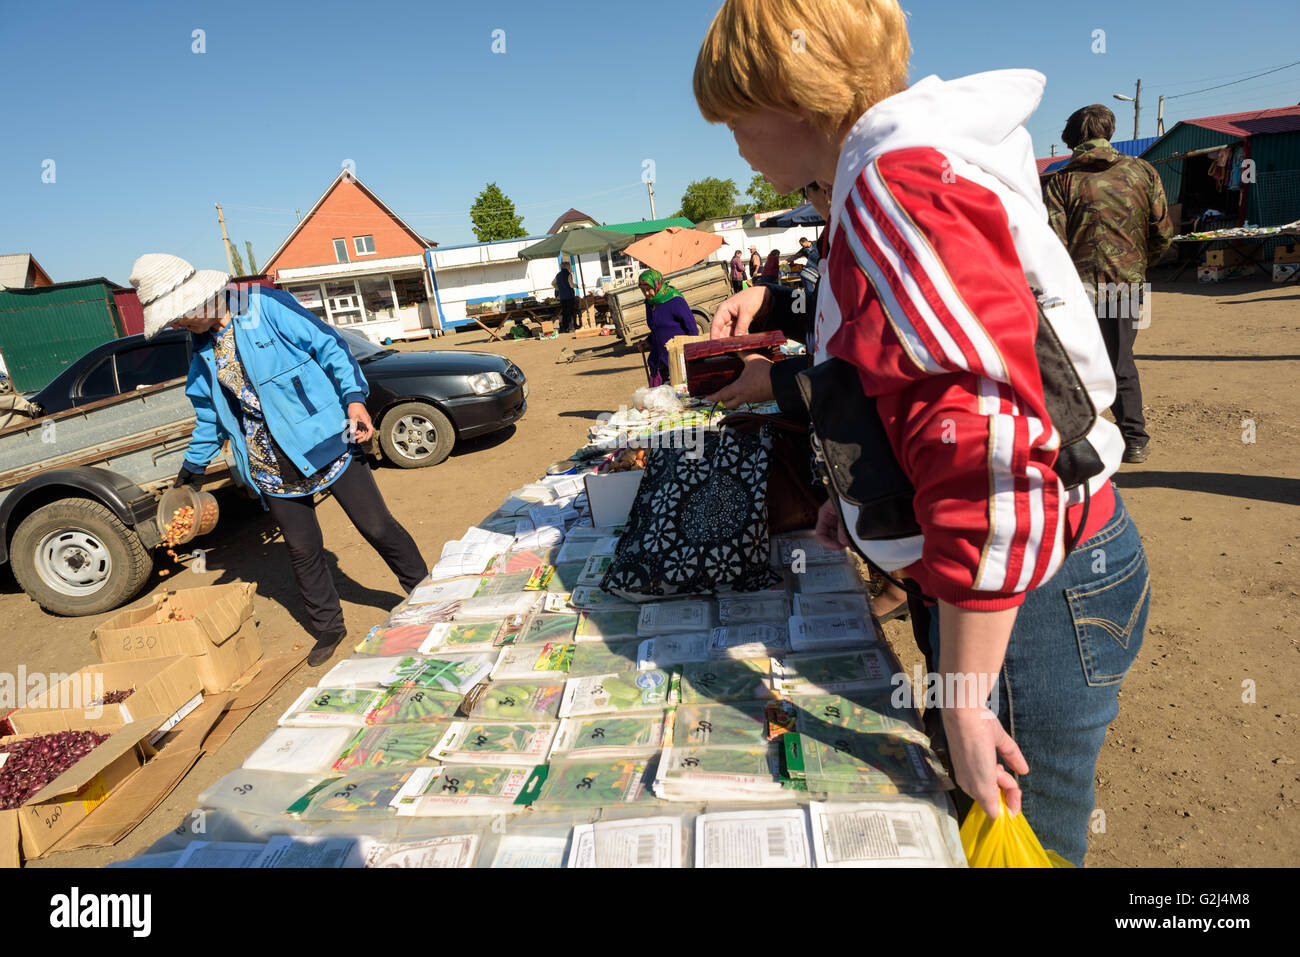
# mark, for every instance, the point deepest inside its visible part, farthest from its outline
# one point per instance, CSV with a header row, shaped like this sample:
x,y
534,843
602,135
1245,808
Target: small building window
x,y
341,250
364,245
410,290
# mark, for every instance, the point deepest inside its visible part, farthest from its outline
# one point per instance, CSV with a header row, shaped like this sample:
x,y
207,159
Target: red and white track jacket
x,y
937,233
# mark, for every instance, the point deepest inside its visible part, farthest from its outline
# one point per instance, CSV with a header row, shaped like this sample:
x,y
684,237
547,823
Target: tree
x,y
709,198
493,215
234,256
252,263
765,197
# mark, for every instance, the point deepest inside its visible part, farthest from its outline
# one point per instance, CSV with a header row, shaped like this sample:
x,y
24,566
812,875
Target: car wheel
x,y
704,321
415,435
74,557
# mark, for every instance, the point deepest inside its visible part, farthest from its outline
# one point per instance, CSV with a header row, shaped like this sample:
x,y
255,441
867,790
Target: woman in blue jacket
x,y
283,389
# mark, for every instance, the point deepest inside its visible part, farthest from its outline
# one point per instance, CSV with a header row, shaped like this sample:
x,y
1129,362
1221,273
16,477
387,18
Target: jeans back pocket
x,y
1110,615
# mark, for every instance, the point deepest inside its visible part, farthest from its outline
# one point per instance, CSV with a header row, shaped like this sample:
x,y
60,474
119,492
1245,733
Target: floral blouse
x,y
273,472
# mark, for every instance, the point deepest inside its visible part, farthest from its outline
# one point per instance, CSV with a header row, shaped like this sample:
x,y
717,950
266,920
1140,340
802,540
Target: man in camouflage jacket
x,y
1110,212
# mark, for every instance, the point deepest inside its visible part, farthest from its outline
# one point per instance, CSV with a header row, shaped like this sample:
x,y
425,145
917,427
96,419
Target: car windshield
x,y
360,346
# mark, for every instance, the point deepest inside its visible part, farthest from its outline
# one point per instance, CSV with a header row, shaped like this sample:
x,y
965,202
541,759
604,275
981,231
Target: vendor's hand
x,y
186,477
359,424
754,384
976,739
734,316
830,528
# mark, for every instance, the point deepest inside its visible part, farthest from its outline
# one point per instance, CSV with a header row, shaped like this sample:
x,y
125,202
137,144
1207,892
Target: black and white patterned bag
x,y
699,523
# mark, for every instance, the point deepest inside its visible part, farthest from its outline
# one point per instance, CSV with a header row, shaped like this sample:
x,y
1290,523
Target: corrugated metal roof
x,y
1050,164
1282,119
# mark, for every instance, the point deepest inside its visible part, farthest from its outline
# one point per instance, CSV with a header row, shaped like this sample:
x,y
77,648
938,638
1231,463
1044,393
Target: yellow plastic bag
x,y
1005,841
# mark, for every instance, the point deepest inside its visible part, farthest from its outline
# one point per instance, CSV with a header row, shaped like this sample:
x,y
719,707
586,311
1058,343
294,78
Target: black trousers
x,y
1119,334
359,497
568,315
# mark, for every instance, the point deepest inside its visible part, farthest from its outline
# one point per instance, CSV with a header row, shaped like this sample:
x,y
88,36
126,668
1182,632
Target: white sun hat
x,y
168,287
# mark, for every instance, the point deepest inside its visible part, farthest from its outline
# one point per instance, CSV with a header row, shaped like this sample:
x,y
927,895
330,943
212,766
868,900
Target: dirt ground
x,y
1200,767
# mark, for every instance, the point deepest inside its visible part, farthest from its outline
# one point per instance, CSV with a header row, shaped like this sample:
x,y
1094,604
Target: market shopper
x,y
937,234
771,271
736,272
808,275
755,263
1110,211
667,316
568,296
282,388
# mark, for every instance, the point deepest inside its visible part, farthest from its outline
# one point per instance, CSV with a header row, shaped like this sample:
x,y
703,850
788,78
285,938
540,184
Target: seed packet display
x,y
299,750
710,682
515,701
391,745
615,693
494,743
331,707
610,625
822,632
833,603
528,662
871,714
607,736
448,851
364,672
466,636
503,583
547,626
831,673
456,673
703,774
796,551
758,640
454,790
424,614
386,641
668,650
852,763
753,839
760,606
675,617
452,589
820,579
595,783
496,607
878,834
356,794
597,658
636,842
414,706
720,726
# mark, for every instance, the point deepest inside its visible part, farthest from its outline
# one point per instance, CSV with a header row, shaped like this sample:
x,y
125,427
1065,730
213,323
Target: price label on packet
x,y
556,601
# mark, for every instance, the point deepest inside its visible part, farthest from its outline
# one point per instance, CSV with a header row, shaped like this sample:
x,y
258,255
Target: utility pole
x,y
651,188
1160,118
1136,100
225,240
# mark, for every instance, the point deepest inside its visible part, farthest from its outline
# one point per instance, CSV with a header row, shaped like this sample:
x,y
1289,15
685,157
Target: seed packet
x,y
607,625
488,742
595,783
577,549
531,850
608,736
878,834
330,707
874,714
534,662
496,607
766,838
364,672
597,658
761,606
446,851
719,726
566,578
463,636
451,589
549,627
456,673
594,569
265,793
820,579
516,701
755,640
668,650
299,750
830,673
521,560
860,764
455,790
395,640
820,632
669,617
833,603
356,794
634,842
540,578
709,682
424,614
794,551
414,706
391,745
591,598
703,774
503,583
615,692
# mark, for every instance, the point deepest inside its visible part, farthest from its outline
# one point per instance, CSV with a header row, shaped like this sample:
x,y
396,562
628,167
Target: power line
x,y
1234,82
1203,79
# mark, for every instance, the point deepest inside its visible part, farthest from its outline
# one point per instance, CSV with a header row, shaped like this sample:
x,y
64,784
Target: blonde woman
x,y
937,232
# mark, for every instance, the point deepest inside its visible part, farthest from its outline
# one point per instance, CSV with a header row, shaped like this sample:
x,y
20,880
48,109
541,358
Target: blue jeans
x,y
1074,640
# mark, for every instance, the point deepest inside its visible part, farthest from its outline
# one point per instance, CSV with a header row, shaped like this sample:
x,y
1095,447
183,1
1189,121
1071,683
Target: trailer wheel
x,y
415,435
75,557
703,320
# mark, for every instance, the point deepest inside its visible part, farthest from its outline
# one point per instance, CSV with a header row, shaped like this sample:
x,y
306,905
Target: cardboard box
x,y
676,358
1223,257
1219,273
1285,272
215,632
1286,254
50,815
166,686
611,496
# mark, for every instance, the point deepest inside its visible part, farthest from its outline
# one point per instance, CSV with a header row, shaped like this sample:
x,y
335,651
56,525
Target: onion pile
x,y
34,762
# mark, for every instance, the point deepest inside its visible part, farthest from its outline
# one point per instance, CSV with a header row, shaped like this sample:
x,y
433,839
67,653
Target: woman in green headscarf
x,y
666,315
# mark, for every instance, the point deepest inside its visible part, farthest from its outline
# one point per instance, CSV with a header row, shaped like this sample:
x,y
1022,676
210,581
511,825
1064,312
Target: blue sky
x,y
147,135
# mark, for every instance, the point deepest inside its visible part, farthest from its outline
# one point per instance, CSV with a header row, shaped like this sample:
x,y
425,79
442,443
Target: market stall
x,y
1234,253
520,709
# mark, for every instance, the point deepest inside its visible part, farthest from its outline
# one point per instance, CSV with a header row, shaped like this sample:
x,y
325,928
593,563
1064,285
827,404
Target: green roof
x,y
650,225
